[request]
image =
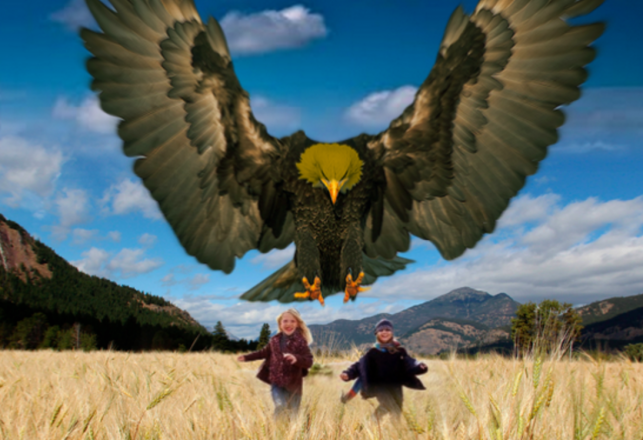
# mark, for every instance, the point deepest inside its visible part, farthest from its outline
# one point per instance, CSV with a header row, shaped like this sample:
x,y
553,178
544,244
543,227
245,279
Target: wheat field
x,y
112,395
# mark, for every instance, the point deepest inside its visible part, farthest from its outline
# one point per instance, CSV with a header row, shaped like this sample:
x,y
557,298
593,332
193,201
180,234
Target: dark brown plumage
x,y
443,171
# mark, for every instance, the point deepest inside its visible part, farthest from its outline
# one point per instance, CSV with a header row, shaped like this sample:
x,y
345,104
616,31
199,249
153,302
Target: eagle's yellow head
x,y
337,167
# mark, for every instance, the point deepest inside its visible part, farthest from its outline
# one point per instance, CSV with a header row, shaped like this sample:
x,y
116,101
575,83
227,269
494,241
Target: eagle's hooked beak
x,y
334,187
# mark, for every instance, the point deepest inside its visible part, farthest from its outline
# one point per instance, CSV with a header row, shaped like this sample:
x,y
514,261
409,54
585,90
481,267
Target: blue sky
x,y
334,69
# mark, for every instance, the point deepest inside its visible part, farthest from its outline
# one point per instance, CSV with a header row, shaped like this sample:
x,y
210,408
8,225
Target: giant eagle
x,y
443,171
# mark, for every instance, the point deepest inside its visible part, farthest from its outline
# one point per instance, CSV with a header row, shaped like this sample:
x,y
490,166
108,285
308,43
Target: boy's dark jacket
x,y
276,370
407,378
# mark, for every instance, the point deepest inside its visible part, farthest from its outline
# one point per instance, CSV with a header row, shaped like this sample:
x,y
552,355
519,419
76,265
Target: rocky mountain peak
x,y
464,294
17,252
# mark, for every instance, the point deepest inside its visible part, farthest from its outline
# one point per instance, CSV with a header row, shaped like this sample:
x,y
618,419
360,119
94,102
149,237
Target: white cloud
x,y
81,236
194,282
184,268
147,239
199,280
168,280
578,222
275,116
27,168
585,250
93,262
528,209
603,119
544,180
72,206
127,263
87,114
74,15
271,30
380,108
128,196
586,147
130,262
613,109
275,258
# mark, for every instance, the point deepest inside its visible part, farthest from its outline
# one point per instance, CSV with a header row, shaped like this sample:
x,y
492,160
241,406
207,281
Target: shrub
x,y
318,368
635,352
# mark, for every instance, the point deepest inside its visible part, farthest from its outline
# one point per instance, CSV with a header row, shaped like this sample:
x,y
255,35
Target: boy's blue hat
x,y
384,323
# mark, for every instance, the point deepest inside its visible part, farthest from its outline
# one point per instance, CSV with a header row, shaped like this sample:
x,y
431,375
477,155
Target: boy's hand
x,y
241,358
290,358
344,377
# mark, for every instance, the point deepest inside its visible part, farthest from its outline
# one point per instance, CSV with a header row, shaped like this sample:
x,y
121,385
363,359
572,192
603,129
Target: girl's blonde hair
x,y
303,328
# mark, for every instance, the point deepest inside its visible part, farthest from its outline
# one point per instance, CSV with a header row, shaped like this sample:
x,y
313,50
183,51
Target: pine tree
x,y
50,339
264,336
29,332
220,339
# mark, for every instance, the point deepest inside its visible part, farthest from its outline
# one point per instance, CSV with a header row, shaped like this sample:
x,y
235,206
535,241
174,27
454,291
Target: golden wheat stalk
x,y
159,398
598,424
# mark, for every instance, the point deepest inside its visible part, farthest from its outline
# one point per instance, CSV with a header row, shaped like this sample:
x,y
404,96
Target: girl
x,y
287,360
382,372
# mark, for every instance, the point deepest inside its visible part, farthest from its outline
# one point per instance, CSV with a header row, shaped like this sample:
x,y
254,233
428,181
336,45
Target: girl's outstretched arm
x,y
351,372
413,366
264,353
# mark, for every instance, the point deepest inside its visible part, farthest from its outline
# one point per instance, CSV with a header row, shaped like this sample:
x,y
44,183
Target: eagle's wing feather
x,y
480,123
204,158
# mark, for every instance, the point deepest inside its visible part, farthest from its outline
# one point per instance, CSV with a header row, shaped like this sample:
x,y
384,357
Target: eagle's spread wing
x,y
203,156
480,123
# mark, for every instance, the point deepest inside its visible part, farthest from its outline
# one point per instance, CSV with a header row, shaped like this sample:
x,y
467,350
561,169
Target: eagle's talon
x,y
353,287
312,292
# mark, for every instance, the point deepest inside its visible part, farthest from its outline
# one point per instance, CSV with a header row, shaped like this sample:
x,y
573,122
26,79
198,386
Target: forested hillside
x,y
47,302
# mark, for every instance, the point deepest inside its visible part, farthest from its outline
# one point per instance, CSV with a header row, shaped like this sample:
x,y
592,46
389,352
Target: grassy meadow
x,y
113,395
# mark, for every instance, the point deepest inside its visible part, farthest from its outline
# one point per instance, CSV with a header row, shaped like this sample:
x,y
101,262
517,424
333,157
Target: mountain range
x,y
461,317
466,318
